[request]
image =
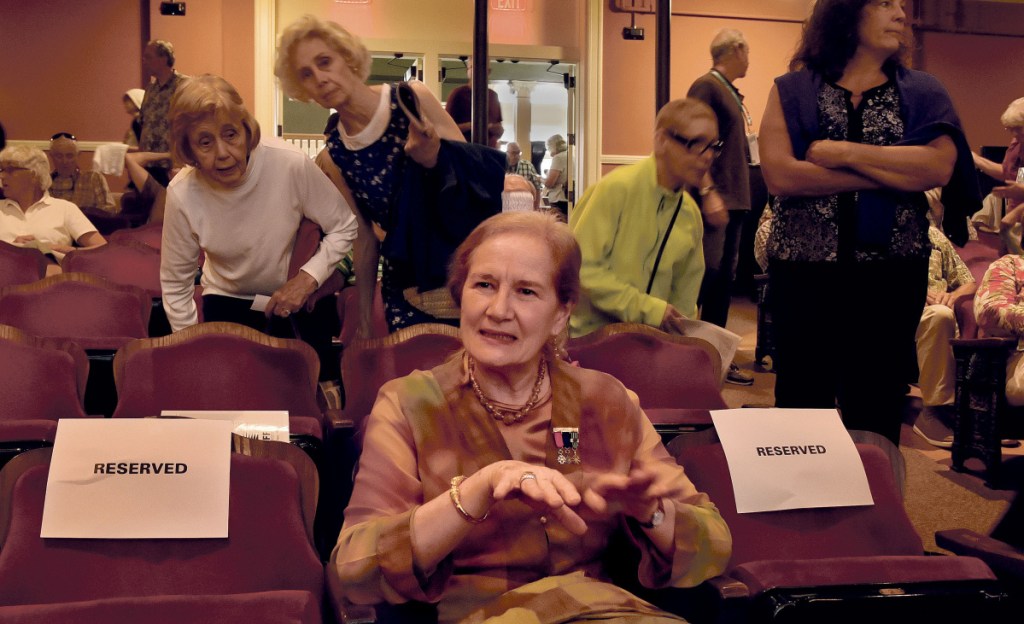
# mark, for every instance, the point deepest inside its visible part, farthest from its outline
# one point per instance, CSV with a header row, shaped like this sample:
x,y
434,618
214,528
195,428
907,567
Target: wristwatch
x,y
656,518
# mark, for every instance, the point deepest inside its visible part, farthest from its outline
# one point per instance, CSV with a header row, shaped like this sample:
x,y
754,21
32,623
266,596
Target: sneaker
x,y
738,377
930,426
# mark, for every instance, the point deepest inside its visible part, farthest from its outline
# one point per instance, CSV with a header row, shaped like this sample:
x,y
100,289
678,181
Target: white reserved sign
x,y
791,459
131,478
266,425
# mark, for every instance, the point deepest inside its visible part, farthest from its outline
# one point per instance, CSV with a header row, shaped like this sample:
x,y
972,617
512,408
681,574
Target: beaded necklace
x,y
513,415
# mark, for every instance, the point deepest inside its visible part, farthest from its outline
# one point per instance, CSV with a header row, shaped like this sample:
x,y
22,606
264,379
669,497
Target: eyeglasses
x,y
64,135
697,147
12,169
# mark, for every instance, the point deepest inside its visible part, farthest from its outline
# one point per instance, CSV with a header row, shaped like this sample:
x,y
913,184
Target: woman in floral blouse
x,y
851,139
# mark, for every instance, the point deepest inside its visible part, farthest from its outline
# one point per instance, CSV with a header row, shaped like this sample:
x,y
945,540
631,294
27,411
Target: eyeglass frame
x,y
716,146
63,135
12,169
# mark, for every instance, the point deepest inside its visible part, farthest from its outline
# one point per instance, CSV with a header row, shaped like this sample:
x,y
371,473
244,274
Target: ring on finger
x,y
526,476
286,312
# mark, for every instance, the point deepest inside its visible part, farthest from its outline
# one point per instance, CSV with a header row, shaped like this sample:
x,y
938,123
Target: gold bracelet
x,y
453,491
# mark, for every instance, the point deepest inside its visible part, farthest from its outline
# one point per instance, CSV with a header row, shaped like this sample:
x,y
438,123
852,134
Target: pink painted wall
x,y
982,75
214,36
629,83
65,65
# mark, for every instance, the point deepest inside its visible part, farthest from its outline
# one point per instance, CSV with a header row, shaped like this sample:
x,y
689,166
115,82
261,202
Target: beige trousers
x,y
937,378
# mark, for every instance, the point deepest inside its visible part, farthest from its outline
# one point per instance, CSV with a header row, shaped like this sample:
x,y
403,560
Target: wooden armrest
x,y
357,614
729,588
998,555
983,343
337,422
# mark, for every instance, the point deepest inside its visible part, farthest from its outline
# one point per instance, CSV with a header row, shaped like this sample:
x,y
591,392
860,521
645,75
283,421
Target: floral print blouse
x,y
824,228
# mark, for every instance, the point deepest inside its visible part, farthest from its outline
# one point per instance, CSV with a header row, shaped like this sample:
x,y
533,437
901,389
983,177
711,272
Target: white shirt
x,y
248,232
50,220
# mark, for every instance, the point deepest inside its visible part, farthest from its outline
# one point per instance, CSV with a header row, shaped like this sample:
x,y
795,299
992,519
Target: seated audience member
x,y
132,100
30,216
640,230
492,484
519,194
86,189
241,202
460,107
999,308
147,196
949,283
1007,171
520,166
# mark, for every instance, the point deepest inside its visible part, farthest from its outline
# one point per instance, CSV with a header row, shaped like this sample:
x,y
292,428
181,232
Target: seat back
x,y
40,378
273,493
19,265
150,234
366,365
216,366
93,312
348,312
124,262
882,529
665,371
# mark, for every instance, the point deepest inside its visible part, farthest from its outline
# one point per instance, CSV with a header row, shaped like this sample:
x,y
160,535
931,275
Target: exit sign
x,y
509,5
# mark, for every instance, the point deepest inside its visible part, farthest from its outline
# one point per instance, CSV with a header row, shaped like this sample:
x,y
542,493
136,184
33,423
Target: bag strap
x,y
661,249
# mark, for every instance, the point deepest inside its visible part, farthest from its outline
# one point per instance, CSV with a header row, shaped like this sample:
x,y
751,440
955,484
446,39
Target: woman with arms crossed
x,y
851,139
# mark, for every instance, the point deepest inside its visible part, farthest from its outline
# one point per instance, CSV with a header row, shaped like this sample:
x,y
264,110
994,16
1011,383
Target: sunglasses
x,y
697,147
63,135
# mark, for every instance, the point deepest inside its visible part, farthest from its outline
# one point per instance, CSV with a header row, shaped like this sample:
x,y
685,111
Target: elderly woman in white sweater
x,y
240,203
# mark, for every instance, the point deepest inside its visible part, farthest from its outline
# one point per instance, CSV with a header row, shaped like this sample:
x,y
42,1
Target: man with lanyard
x,y
728,183
158,62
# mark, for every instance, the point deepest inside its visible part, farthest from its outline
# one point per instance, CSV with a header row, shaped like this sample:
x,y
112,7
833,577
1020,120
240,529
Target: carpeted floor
x,y
936,497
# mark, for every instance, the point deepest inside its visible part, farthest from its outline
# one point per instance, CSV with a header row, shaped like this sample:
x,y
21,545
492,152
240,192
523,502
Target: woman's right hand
x,y
547,491
423,143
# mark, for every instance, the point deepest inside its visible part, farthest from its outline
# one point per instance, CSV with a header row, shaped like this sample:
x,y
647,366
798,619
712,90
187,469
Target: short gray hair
x,y
727,40
1013,117
31,158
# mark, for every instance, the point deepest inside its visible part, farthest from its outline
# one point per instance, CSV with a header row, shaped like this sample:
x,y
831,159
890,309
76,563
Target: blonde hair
x,y
349,46
201,97
1014,115
31,158
683,109
557,144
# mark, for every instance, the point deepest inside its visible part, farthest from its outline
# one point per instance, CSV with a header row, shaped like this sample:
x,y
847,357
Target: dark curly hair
x,y
831,36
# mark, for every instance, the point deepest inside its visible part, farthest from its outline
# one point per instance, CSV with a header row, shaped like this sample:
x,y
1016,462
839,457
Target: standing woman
x,y
557,177
425,193
851,139
240,202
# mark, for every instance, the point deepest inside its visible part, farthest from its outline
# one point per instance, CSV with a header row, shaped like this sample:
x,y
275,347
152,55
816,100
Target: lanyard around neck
x,y
735,95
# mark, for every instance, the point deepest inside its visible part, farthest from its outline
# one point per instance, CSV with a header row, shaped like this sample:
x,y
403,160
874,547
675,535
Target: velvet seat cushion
x,y
275,607
268,548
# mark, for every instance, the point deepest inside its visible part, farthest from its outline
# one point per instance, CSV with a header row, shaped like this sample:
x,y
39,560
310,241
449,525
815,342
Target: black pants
x,y
315,328
845,335
721,252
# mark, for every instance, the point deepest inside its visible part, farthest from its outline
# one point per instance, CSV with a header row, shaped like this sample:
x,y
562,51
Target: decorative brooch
x,y
567,440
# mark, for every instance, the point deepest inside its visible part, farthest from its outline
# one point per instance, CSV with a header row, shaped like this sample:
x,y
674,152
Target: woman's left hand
x,y
423,143
636,494
292,296
1012,190
828,154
